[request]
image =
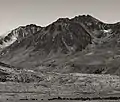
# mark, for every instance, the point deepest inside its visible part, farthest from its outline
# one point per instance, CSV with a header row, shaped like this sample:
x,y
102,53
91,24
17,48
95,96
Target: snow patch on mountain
x,y
5,44
107,31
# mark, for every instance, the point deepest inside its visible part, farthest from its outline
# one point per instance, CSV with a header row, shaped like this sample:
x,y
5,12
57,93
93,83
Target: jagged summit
x,y
18,34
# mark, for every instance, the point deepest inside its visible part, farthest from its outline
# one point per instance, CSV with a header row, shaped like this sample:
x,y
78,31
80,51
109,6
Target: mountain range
x,y
81,44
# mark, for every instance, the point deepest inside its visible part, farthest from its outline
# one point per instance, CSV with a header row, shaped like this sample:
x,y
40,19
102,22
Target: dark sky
x,y
14,13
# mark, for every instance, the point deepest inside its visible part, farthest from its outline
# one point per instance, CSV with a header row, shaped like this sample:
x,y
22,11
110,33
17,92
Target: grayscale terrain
x,y
70,60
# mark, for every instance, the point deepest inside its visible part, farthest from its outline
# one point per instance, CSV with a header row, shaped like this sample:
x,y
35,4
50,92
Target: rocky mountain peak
x,y
18,34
